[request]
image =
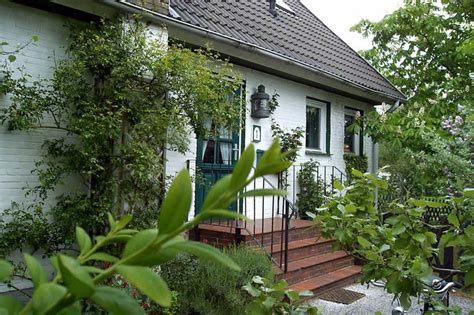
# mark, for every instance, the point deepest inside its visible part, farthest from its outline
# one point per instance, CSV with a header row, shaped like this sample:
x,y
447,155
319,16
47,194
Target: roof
x,y
297,35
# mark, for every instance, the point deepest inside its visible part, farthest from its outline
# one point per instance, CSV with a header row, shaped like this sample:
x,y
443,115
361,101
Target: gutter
x,y
394,107
159,17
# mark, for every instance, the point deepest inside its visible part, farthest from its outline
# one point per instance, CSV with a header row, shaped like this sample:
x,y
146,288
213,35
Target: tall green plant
x,y
311,189
77,278
119,100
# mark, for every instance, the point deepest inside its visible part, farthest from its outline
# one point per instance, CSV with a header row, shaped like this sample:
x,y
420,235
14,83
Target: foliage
x,y
118,101
355,161
76,278
423,48
12,52
207,288
311,188
397,245
276,299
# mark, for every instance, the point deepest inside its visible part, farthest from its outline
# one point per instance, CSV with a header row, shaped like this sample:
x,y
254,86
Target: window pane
x,y
313,127
348,136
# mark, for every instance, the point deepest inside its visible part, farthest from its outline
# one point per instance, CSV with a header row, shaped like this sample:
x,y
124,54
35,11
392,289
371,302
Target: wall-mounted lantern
x,y
259,102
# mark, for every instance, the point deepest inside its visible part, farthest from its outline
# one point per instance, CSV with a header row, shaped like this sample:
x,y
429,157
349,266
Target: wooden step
x,y
314,266
329,281
300,249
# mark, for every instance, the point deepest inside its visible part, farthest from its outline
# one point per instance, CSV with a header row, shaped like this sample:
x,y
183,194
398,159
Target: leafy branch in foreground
x,y
397,246
78,278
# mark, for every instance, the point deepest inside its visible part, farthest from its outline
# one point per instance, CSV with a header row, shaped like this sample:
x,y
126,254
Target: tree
x,y
424,48
121,98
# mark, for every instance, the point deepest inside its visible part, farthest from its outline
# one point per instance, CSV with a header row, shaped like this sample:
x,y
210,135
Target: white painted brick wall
x,y
290,114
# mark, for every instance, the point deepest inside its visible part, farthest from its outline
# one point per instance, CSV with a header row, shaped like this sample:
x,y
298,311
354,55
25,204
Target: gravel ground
x,y
376,299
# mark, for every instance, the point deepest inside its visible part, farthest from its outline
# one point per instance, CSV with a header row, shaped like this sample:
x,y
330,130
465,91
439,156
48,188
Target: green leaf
x,y
83,239
35,38
292,295
253,291
357,173
350,208
420,237
11,58
338,185
215,194
112,222
6,270
469,278
206,252
263,192
103,257
74,309
36,270
116,301
76,279
468,193
10,305
363,242
147,282
124,221
398,229
453,219
139,241
177,204
47,296
227,214
242,169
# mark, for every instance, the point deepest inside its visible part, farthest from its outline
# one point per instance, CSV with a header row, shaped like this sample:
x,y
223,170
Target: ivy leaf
x,y
83,239
36,270
243,168
6,270
35,38
116,301
177,204
76,279
11,58
147,282
206,252
350,208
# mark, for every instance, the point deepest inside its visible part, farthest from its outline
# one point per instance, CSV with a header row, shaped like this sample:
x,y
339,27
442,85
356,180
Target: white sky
x,y
341,15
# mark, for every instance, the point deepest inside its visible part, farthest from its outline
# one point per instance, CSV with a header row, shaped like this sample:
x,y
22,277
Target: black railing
x,y
270,216
324,175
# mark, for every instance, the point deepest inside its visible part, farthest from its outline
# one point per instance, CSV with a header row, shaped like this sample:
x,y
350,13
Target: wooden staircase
x,y
312,264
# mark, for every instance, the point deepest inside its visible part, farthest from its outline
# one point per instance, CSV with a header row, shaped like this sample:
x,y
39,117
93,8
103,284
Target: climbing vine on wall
x,y
121,98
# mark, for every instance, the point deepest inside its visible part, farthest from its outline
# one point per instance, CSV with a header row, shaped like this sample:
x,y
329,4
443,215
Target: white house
x,y
278,46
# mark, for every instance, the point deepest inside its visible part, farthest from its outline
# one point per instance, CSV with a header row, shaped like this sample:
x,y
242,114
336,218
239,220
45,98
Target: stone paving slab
x,y
376,299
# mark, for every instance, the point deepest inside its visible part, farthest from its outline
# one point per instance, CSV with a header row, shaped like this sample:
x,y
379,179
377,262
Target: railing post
x,y
287,225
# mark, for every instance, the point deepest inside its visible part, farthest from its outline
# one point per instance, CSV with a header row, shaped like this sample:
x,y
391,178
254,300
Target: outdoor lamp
x,y
259,102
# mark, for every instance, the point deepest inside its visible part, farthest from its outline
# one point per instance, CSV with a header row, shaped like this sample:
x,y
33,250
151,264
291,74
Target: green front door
x,y
216,158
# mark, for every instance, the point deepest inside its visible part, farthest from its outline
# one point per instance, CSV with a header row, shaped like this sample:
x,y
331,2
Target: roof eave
x,y
173,22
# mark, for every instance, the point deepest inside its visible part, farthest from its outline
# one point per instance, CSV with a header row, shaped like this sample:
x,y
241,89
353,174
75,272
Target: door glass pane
x,y
209,151
313,127
225,153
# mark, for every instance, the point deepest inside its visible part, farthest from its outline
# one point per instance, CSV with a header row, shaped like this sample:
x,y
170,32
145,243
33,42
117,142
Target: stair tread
x,y
298,244
323,280
314,260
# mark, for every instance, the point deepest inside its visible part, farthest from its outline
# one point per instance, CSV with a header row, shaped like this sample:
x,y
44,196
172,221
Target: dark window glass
x,y
348,136
313,127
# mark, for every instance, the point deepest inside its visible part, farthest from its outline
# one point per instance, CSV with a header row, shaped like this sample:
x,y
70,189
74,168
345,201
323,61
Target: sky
x,y
341,15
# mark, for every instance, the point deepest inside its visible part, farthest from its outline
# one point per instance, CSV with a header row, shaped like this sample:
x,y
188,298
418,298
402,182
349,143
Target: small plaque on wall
x,y
257,133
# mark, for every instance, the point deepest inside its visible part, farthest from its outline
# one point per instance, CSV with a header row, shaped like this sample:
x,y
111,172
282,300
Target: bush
x,y
311,194
354,161
207,288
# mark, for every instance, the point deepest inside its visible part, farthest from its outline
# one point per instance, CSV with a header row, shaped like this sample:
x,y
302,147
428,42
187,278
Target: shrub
x,y
311,194
354,161
206,288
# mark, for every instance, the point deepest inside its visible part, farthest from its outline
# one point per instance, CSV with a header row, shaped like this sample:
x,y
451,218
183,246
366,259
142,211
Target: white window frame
x,y
322,106
356,136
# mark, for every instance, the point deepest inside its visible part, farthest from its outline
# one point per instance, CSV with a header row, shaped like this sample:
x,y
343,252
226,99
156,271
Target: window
x,y
316,126
352,141
313,127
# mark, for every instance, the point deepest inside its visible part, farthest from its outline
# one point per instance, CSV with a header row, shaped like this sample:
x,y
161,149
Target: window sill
x,y
317,152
